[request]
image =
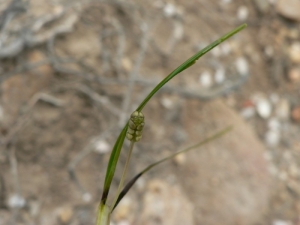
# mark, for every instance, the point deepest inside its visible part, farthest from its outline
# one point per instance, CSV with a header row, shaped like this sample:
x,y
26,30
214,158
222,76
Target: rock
x,y
169,10
242,13
242,66
289,9
167,102
294,52
180,159
281,222
294,75
220,75
165,204
296,114
101,146
127,64
16,201
272,137
263,107
228,179
65,214
205,79
282,109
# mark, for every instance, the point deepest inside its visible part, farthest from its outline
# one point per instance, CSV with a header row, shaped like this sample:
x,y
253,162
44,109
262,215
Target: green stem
x,y
121,184
103,215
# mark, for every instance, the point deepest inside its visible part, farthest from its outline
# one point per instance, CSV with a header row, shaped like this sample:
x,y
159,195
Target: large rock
x,y
289,9
227,180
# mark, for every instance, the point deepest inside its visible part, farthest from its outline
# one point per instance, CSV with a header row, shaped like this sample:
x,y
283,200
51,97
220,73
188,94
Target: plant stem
x,y
121,184
103,215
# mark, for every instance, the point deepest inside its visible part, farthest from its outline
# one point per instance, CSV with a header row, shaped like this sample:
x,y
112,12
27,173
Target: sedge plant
x,y
133,132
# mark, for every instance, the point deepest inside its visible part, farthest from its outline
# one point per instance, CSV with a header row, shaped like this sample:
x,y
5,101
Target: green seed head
x,y
135,126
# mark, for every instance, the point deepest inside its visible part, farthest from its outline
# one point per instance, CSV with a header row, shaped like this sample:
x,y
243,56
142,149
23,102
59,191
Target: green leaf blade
x,y
189,63
112,164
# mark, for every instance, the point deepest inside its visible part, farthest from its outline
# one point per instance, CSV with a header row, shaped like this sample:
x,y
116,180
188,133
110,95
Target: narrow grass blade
x,y
112,164
134,179
189,63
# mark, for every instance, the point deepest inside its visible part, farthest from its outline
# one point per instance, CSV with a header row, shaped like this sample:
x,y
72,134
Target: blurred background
x,y
71,73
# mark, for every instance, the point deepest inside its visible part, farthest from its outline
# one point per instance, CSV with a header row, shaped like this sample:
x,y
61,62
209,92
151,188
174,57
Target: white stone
x,y
87,197
205,79
272,138
167,102
242,66
281,222
220,75
242,13
263,108
169,10
16,201
101,146
226,1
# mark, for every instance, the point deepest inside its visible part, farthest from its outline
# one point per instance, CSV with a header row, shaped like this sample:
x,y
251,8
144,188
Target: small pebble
x,y
180,159
263,108
101,146
272,138
127,64
281,222
167,102
294,75
289,9
242,66
282,109
294,52
87,197
296,114
219,75
65,214
16,201
169,10
242,13
205,79
226,1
